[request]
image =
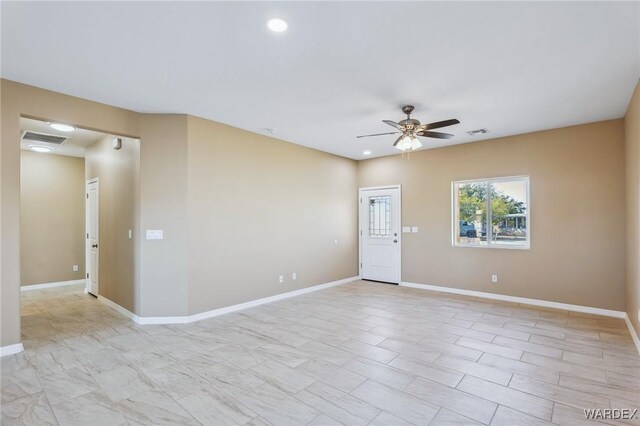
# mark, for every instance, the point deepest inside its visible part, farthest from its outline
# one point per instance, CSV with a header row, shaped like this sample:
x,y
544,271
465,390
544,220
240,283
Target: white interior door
x,y
93,232
380,245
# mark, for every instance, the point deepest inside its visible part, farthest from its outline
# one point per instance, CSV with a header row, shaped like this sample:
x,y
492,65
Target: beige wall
x,y
632,156
163,191
17,99
51,218
578,234
118,173
260,208
163,265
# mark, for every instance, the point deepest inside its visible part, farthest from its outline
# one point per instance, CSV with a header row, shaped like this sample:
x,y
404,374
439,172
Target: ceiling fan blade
x,y
437,135
393,124
439,124
376,134
398,140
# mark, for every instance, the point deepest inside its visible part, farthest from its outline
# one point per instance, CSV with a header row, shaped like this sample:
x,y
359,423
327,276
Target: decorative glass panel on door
x,y
380,216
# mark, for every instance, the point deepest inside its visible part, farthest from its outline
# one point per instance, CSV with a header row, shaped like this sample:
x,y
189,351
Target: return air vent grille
x,y
477,132
43,137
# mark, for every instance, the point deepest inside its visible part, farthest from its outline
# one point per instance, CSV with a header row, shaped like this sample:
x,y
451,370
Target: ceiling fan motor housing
x,y
409,123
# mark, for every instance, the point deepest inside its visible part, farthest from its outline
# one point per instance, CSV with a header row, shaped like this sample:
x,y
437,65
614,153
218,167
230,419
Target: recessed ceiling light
x,y
40,148
62,127
366,152
277,25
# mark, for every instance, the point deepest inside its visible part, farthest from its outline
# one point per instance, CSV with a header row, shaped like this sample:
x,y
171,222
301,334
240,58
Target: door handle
x,y
94,245
395,241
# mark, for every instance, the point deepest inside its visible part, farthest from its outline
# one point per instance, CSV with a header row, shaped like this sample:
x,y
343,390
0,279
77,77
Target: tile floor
x,y
356,354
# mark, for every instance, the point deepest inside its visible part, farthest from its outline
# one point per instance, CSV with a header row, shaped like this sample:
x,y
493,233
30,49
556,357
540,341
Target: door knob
x,y
94,245
395,241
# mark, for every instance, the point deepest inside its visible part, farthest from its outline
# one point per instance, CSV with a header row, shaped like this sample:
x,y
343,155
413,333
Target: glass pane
x,y
509,212
380,216
471,215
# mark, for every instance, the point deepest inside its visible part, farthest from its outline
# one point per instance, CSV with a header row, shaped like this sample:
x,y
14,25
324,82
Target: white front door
x,y
380,234
92,237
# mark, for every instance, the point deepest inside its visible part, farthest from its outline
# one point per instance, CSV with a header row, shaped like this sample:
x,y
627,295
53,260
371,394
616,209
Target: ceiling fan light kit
x,y
408,143
410,129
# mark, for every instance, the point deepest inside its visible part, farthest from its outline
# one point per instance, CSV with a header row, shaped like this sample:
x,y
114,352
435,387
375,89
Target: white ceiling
x,y
79,139
512,67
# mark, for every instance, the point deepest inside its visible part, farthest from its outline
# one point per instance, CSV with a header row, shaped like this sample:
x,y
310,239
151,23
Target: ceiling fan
x,y
411,129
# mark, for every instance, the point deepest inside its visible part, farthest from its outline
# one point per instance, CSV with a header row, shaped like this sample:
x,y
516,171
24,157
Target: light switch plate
x,y
406,229
130,234
155,234
414,229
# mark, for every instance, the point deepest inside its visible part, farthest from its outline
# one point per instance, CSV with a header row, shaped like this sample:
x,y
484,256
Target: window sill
x,y
493,246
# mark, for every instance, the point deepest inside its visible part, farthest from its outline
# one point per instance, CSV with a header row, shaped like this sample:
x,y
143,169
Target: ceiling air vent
x,y
477,132
43,137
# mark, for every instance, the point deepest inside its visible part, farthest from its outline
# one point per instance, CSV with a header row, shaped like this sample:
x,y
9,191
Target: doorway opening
x,y
380,245
79,223
92,236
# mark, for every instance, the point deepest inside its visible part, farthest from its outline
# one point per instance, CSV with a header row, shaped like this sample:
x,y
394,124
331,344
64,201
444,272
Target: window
x,y
491,213
379,216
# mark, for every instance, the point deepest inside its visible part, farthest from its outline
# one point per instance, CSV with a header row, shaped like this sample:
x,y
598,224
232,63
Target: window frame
x,y
490,243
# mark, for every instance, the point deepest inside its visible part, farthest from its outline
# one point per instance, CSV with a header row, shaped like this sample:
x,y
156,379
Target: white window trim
x,y
490,244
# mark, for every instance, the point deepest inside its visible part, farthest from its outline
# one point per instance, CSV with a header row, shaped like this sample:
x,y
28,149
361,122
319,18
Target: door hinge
x,y
87,235
87,275
87,195
360,199
361,264
361,232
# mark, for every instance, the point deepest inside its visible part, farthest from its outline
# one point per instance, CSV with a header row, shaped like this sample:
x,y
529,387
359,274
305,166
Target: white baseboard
x,y
632,330
113,305
50,285
11,349
523,300
220,311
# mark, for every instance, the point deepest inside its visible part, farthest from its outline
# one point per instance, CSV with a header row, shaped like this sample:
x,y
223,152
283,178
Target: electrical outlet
x,y
75,268
294,276
494,278
281,279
